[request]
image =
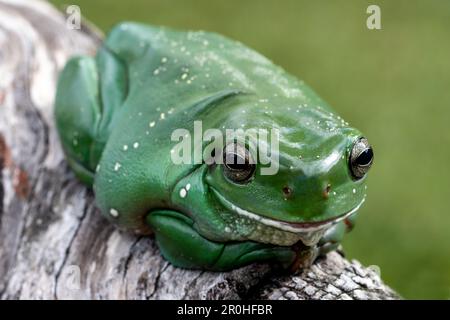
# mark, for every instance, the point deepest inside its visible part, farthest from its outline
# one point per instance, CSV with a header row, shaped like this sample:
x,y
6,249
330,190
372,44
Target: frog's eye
x,y
238,163
361,158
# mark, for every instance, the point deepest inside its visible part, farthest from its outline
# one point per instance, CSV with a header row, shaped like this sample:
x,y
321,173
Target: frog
x,y
116,112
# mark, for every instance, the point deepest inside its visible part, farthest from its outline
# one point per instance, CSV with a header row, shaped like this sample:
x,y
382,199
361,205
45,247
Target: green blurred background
x,y
393,84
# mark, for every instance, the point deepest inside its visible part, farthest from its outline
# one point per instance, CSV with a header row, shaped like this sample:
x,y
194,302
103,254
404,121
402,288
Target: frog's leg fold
x,y
77,112
184,247
89,90
333,237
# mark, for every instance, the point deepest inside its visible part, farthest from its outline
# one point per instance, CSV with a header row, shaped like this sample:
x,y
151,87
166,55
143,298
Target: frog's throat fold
x,y
306,227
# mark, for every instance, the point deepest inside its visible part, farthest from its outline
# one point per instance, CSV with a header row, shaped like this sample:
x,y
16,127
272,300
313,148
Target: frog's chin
x,y
294,227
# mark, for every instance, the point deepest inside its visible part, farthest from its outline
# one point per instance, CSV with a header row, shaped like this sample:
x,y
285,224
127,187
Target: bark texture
x,y
53,242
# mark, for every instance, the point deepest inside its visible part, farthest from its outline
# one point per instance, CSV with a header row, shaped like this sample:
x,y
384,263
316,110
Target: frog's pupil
x,y
365,158
236,162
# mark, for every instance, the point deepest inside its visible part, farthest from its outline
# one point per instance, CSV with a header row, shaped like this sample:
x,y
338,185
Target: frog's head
x,y
321,169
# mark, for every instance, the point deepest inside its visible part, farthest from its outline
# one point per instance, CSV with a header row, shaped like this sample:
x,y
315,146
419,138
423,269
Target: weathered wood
x,y
53,242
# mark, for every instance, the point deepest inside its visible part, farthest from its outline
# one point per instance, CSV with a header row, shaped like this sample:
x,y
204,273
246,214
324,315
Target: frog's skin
x,y
115,114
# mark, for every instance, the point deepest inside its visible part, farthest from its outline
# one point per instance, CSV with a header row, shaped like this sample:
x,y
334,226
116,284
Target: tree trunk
x,y
54,244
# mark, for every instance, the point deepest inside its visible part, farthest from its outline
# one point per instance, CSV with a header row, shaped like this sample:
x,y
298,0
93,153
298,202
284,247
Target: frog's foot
x,y
333,237
184,247
89,89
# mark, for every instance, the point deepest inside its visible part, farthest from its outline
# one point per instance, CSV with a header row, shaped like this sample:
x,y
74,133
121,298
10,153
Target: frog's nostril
x,y
287,192
326,191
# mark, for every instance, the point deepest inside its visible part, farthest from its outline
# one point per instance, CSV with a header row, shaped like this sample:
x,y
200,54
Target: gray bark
x,y
53,242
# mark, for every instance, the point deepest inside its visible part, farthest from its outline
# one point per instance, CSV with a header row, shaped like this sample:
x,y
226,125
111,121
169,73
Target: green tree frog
x,y
116,112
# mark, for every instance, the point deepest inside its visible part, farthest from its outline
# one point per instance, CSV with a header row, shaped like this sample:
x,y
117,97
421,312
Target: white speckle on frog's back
x,y
354,191
136,145
188,186
227,229
113,212
151,124
117,166
163,116
125,147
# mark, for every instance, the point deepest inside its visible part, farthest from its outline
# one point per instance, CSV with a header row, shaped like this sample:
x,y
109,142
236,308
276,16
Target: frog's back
x,y
189,64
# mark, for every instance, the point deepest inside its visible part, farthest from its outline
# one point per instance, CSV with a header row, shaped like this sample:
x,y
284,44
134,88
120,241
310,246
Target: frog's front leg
x,y
333,237
89,91
180,243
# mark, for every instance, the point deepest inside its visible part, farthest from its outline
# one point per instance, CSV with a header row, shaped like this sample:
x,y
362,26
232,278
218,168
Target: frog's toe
x,y
333,237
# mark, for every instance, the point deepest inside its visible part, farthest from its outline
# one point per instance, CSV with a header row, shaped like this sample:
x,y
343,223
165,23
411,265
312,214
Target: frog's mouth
x,y
294,227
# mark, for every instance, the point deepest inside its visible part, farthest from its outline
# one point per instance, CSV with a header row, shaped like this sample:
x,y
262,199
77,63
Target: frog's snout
x,y
330,176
